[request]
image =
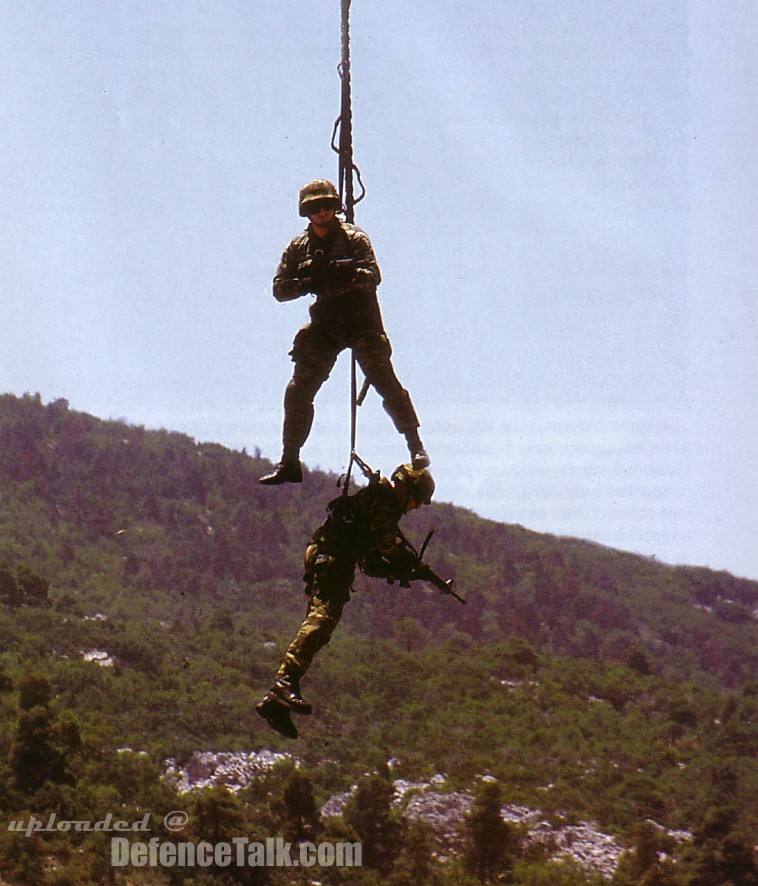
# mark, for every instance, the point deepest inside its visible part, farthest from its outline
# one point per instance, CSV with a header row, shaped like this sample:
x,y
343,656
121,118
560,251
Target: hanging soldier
x,y
361,530
334,261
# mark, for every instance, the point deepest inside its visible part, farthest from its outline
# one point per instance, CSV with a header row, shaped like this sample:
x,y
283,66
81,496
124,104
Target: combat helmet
x,y
321,189
419,482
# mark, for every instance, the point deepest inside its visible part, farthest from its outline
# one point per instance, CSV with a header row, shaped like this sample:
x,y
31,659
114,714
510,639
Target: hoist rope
x,y
344,148
348,171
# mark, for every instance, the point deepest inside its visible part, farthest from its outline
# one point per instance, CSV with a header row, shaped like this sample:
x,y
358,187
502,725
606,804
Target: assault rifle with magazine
x,y
416,568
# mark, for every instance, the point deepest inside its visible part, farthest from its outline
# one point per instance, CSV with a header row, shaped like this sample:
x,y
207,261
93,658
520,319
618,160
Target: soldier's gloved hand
x,y
340,274
304,285
377,566
403,565
310,275
364,279
358,278
288,290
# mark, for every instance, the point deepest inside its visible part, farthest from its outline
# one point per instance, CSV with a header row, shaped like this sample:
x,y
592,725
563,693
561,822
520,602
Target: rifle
x,y
320,271
424,571
333,275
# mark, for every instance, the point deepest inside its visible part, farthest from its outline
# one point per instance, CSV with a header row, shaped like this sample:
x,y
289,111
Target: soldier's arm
x,y
375,565
291,280
367,273
395,565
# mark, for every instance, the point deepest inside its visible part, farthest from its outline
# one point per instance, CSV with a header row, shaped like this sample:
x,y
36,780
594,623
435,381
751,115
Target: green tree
x,y
33,587
218,815
34,757
719,852
662,873
21,858
415,863
642,861
34,691
10,592
369,812
300,805
553,873
490,842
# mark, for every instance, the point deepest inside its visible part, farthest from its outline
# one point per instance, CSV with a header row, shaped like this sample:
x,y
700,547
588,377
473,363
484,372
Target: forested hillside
x,y
589,682
190,520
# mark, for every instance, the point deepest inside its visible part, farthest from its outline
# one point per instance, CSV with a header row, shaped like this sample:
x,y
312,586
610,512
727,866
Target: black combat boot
x,y
419,456
277,716
286,689
287,471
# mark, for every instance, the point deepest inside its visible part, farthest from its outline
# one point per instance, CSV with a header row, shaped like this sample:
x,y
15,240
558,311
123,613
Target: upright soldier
x,y
335,261
361,530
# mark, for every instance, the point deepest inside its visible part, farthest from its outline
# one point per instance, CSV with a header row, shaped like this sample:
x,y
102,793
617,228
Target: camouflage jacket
x,y
340,269
363,528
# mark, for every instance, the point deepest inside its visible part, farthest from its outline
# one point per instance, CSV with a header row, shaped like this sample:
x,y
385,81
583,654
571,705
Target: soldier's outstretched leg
x,y
373,352
314,355
328,583
298,419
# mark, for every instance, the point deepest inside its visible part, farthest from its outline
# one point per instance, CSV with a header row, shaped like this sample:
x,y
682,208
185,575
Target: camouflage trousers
x,y
314,353
329,581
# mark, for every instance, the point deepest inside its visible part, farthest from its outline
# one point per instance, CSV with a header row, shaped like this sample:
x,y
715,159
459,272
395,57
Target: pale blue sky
x,y
562,197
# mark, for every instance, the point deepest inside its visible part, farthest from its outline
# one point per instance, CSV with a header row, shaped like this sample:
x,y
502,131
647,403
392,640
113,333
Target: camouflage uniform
x,y
341,270
361,531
